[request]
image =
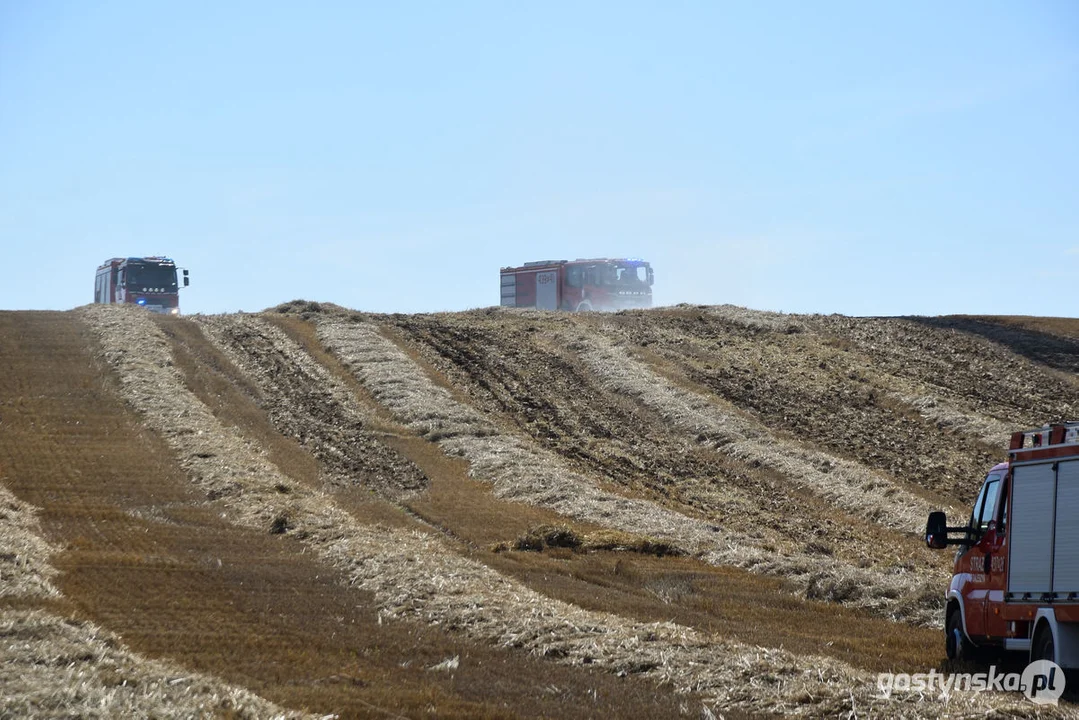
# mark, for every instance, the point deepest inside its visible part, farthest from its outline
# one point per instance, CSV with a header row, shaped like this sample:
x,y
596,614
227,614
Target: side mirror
x,y
936,531
187,280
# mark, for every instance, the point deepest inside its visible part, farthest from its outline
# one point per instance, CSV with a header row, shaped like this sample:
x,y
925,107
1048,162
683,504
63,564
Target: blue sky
x,y
861,158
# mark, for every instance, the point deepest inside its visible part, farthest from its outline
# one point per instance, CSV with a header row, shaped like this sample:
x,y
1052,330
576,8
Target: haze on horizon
x,y
859,158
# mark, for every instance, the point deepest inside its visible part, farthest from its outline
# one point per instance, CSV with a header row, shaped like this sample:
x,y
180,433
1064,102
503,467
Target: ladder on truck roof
x,y
1052,434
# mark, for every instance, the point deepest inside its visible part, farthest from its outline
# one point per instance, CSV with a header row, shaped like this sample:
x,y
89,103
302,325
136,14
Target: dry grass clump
x,y
25,571
545,537
846,484
309,309
548,536
52,667
628,542
304,308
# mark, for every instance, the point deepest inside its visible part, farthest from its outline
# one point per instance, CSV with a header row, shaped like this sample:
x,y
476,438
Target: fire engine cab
x,y
1015,582
580,285
148,282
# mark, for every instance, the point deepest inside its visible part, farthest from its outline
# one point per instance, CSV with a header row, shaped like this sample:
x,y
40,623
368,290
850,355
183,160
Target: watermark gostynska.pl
x,y
1042,681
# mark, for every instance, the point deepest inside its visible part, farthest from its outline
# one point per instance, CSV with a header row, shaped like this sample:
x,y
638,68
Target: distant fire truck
x,y
148,282
579,285
1015,582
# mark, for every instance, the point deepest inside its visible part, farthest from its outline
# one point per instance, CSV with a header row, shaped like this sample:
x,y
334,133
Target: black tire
x,y
956,643
1043,647
1071,686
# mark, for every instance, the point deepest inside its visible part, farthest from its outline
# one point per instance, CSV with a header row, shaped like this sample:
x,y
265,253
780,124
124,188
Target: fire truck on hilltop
x,y
579,285
148,282
1015,582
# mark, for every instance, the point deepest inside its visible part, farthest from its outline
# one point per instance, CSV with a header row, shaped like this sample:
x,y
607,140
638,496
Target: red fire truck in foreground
x,y
580,285
149,282
1016,577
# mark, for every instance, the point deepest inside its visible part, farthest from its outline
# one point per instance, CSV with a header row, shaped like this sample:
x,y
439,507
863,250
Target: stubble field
x,y
495,513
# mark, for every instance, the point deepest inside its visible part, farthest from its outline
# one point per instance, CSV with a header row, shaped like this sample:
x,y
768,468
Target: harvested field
x,y
770,536
492,514
466,512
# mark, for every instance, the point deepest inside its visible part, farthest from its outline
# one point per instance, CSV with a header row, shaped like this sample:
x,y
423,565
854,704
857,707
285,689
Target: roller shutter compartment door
x,y
547,290
1066,545
1032,516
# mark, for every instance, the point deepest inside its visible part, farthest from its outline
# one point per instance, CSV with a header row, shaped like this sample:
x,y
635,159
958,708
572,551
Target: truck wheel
x,y
584,306
1043,647
957,645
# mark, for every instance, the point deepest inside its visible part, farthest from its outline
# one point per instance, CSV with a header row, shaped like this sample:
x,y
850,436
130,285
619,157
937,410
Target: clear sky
x,y
861,158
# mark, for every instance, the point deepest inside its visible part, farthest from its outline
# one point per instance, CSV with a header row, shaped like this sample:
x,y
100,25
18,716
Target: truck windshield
x,y
151,278
630,275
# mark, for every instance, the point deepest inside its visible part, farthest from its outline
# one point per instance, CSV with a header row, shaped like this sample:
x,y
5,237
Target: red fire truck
x,y
1015,583
580,285
149,282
